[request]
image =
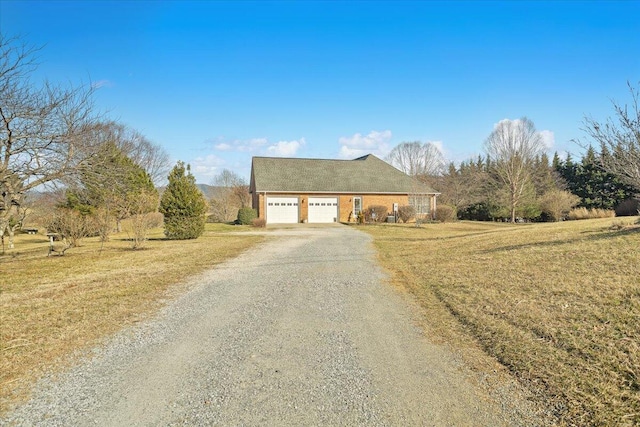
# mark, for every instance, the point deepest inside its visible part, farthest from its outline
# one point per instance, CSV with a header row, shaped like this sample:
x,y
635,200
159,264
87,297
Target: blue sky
x,y
218,82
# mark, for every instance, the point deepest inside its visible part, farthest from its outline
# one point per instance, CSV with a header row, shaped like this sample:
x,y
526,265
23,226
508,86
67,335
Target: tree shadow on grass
x,y
589,236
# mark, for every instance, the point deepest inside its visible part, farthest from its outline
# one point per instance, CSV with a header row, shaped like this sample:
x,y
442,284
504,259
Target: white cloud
x,y
240,145
548,138
376,142
495,125
254,144
205,168
285,148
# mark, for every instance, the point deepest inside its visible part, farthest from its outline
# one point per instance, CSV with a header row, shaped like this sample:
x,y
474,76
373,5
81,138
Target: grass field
x,y
558,304
51,307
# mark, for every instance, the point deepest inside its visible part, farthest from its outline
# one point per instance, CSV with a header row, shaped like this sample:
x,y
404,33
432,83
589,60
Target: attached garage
x,y
323,209
282,210
300,190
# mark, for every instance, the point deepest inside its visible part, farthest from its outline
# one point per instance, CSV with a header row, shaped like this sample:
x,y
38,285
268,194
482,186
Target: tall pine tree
x,y
183,205
596,187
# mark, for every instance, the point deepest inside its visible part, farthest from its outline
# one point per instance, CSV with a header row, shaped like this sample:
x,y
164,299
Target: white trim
x,y
353,206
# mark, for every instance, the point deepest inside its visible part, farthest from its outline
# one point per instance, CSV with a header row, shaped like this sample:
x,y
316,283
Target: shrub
x,y
584,213
69,224
246,216
221,210
259,223
406,213
183,205
558,203
156,219
482,211
629,207
445,213
376,213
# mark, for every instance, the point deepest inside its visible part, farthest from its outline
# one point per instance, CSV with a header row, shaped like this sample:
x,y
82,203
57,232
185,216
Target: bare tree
x,y
619,139
15,222
42,129
417,158
230,194
143,210
153,158
71,225
513,146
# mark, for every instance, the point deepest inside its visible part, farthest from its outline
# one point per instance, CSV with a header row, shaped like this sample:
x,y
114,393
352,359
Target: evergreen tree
x,y
596,187
556,162
545,178
109,186
183,205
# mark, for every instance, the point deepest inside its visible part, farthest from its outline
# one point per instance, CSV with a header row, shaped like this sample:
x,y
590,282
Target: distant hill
x,y
208,190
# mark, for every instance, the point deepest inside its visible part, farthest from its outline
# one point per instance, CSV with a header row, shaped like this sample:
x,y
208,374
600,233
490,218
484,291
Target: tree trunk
x,y
11,234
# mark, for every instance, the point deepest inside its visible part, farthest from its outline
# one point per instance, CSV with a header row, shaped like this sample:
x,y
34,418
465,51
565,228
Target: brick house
x,y
292,190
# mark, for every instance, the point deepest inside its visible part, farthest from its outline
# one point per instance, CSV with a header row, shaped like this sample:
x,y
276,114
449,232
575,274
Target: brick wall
x,y
346,203
257,203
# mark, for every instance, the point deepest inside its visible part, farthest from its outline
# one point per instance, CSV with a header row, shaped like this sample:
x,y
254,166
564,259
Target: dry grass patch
x,y
584,213
50,307
558,304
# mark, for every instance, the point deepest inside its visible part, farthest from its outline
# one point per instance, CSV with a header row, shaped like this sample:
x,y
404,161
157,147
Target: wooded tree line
x,y
53,141
515,180
556,186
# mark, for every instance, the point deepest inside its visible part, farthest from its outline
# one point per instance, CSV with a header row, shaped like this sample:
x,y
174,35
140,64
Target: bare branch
x,y
417,159
42,129
619,139
512,146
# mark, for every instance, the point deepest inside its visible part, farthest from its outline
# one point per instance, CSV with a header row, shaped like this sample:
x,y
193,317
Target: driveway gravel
x,y
302,330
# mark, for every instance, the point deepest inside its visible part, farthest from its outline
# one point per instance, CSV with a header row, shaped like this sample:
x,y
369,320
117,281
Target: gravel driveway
x,y
300,331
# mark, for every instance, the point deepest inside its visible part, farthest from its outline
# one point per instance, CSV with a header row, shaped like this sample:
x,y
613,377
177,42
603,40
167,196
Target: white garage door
x,y
323,209
282,210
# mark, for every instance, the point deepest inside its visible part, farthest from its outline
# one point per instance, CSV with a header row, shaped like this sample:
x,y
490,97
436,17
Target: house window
x,y
422,204
357,206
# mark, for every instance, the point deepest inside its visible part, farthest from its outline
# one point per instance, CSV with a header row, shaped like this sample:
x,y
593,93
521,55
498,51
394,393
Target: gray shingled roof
x,y
367,174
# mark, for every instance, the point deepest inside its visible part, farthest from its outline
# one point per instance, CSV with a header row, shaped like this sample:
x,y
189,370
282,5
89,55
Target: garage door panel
x,y
282,210
323,209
